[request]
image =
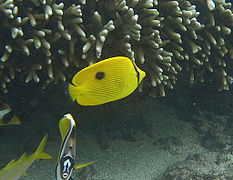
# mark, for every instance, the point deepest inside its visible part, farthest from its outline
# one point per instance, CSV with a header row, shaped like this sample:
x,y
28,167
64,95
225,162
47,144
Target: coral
x,y
47,41
36,37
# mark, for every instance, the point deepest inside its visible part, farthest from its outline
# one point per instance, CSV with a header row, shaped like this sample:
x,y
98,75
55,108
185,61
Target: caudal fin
x,y
39,152
15,121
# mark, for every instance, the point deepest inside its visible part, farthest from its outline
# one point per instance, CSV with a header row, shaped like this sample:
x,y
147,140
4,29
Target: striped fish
x,y
15,169
65,163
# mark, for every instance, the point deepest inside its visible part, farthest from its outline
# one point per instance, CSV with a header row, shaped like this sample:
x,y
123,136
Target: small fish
x,y
66,158
7,117
15,169
105,81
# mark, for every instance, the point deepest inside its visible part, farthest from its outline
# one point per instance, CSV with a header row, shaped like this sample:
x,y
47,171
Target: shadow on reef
x,y
40,110
116,120
189,99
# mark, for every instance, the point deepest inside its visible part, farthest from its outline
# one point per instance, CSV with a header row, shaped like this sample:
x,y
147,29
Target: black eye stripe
x,y
67,164
138,74
99,75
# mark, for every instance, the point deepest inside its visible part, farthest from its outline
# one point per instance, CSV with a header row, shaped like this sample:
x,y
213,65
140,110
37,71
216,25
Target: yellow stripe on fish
x,y
15,169
105,81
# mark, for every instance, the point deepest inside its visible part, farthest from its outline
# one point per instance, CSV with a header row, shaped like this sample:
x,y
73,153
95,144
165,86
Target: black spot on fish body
x,y
99,75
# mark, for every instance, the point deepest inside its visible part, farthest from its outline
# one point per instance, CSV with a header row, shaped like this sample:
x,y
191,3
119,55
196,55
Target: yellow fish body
x,y
15,169
6,114
105,81
66,157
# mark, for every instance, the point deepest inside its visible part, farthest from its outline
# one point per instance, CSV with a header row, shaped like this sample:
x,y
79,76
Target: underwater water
x,y
186,134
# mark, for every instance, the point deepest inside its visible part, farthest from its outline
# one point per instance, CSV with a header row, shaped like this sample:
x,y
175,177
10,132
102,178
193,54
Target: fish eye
x,y
99,75
65,175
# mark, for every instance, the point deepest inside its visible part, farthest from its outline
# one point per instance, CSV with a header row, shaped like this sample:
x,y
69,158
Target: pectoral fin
x,y
78,166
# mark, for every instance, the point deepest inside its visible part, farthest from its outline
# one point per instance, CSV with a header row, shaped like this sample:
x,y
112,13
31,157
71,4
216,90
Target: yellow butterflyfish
x,y
105,81
15,169
65,163
7,117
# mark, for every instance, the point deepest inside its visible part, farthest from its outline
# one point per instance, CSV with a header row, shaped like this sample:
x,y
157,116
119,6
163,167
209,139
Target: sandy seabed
x,y
139,160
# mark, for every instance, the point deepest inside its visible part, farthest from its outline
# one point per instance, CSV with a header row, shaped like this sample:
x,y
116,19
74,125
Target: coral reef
x,y
48,40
